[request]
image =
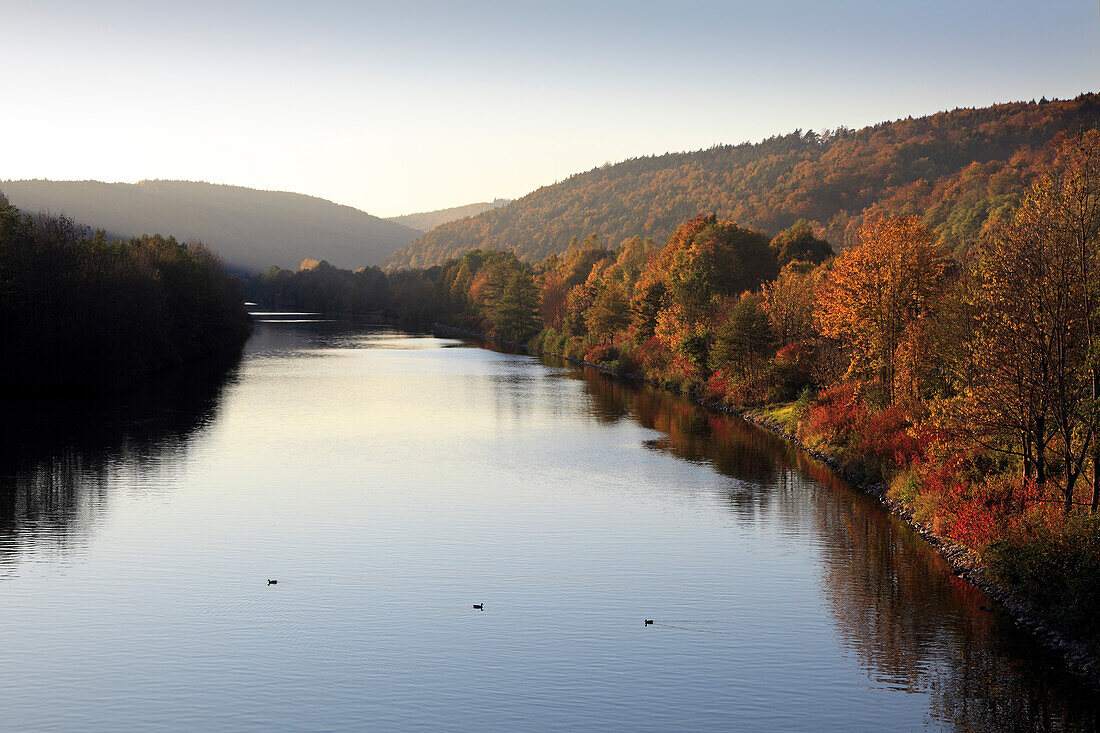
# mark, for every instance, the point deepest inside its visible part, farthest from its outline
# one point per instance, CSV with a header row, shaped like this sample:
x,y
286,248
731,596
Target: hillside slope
x,y
425,221
251,229
953,167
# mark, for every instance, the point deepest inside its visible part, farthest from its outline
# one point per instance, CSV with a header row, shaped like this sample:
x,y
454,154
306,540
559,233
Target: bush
x,y
871,444
805,399
602,354
905,487
791,371
1057,567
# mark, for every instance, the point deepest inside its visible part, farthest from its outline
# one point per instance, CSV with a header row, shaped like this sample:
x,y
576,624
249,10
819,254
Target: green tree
x,y
609,313
798,243
514,312
744,340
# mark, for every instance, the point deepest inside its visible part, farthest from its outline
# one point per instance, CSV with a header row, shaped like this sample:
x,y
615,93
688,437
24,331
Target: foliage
x,y
877,293
79,311
799,243
871,443
954,169
1057,566
1028,381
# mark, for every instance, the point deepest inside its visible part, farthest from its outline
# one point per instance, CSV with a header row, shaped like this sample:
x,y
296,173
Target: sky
x,y
397,107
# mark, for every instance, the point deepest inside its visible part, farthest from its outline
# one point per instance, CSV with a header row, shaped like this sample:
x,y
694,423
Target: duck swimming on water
x,y
479,606
648,622
272,582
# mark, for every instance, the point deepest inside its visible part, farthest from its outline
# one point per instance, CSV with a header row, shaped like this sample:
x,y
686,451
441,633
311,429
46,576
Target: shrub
x,y
790,371
601,354
872,444
905,486
1056,565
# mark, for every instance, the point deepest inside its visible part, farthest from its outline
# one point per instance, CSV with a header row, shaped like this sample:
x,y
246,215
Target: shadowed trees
x,y
77,310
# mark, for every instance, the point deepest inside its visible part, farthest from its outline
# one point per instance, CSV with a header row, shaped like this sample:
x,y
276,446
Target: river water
x,y
389,482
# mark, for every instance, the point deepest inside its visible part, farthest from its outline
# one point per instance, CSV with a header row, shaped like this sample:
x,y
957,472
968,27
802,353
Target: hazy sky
x,y
407,106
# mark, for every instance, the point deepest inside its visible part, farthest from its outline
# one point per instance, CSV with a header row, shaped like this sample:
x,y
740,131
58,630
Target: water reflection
x,y
389,482
912,623
57,457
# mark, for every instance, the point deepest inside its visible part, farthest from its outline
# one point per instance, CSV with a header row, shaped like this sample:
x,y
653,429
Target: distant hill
x,y
953,168
251,230
428,220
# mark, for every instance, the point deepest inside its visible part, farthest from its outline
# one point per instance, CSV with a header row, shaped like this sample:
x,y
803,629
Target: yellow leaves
x,y
790,301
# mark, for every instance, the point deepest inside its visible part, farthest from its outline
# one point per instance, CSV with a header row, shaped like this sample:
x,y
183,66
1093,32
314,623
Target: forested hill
x,y
250,229
953,168
425,221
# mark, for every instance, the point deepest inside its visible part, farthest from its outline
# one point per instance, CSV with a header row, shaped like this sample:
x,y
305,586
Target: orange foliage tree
x,y
877,291
1032,379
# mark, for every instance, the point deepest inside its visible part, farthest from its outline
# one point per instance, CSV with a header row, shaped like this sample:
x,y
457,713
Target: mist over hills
x,y
428,220
251,229
954,168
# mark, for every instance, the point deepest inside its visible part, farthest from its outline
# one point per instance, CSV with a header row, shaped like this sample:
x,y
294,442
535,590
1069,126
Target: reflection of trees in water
x,y
917,626
57,456
912,623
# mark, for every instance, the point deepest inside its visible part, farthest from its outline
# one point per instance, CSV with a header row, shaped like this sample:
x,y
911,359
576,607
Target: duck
x,y
649,622
272,582
479,606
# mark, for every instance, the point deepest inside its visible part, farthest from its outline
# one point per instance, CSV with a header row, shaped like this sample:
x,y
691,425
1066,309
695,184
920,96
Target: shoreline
x,y
1075,655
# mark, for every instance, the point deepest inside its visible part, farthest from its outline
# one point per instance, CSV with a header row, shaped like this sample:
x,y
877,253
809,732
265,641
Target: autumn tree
x,y
791,299
609,313
707,259
875,293
1032,376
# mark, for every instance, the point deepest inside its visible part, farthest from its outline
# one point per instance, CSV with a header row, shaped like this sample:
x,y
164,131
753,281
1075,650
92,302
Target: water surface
x,y
391,481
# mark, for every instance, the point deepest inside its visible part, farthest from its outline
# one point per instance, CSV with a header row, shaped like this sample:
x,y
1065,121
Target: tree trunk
x,y
1040,452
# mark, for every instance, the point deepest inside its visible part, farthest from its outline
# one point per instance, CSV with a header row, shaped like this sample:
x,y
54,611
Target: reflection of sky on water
x,y
391,481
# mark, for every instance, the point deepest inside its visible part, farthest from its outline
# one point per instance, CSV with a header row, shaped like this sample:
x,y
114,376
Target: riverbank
x,y
1077,656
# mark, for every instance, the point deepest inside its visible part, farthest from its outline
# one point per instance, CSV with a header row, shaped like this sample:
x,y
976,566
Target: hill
x,y
250,229
953,167
427,220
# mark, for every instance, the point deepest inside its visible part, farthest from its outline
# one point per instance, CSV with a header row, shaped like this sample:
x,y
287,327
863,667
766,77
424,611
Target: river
x,y
389,482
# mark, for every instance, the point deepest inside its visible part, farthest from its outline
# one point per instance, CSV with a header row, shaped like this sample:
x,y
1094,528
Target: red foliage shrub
x,y
719,385
653,357
834,416
884,438
791,369
878,440
601,353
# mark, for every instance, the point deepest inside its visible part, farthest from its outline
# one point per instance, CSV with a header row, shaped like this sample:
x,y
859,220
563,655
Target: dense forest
x,y
79,311
953,169
249,229
966,380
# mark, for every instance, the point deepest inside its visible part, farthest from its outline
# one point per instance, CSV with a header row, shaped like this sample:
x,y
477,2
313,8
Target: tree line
x,y
78,310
